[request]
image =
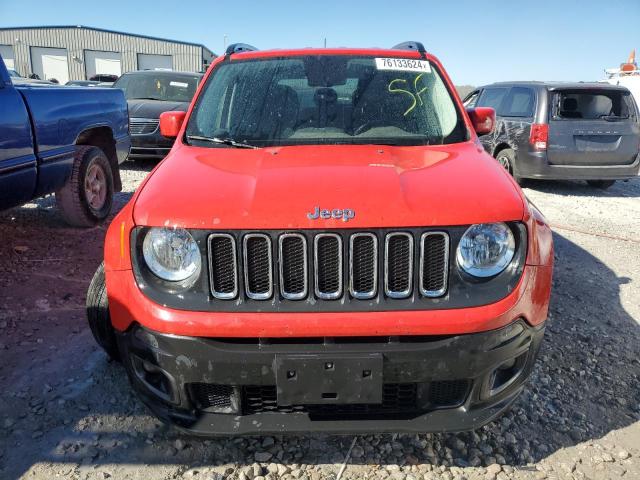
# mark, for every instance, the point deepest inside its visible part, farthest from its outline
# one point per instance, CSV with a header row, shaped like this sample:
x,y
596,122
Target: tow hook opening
x,y
157,380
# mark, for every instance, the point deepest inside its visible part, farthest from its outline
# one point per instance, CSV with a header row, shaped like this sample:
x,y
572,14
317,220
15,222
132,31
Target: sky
x,y
478,41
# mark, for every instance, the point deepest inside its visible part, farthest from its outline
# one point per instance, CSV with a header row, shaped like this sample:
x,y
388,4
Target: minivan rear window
x,y
593,104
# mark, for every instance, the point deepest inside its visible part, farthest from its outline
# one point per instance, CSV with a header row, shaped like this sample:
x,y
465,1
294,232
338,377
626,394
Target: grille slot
x,y
258,266
293,266
213,397
143,126
328,266
398,278
448,393
396,398
434,262
363,265
223,261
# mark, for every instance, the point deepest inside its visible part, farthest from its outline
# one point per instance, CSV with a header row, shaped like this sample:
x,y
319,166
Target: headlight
x,y
486,249
172,254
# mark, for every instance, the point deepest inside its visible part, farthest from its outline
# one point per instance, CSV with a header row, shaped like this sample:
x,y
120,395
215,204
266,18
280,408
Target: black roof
x,y
163,72
42,27
557,85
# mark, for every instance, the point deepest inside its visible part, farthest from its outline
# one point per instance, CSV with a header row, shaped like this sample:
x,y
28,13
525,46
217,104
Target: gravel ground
x,y
65,411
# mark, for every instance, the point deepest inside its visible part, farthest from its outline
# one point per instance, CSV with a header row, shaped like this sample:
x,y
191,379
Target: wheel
x,y
87,197
507,158
98,314
603,184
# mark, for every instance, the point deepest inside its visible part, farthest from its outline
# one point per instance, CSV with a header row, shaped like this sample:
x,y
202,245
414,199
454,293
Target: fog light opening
x,y
508,365
507,373
155,379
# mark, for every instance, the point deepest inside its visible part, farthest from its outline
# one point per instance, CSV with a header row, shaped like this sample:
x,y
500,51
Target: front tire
x,y
601,184
507,158
87,197
98,314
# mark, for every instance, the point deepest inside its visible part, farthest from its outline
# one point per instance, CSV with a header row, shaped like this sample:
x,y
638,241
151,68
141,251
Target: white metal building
x,y
79,52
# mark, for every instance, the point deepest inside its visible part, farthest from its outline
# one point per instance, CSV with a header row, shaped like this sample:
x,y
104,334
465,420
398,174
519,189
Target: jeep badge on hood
x,y
336,213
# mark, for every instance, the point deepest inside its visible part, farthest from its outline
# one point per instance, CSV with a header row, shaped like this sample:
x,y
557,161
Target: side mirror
x,y
170,123
483,119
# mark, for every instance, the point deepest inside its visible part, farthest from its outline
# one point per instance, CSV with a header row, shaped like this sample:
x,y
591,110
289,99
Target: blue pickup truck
x,y
70,141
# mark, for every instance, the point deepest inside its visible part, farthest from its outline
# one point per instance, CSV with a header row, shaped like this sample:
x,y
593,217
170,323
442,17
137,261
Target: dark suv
x,y
149,93
571,131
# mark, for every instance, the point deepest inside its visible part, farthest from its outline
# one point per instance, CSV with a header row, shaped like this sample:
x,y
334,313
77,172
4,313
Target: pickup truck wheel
x,y
507,158
87,197
98,314
603,184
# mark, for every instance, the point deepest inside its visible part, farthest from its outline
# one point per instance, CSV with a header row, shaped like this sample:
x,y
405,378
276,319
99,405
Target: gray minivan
x,y
569,131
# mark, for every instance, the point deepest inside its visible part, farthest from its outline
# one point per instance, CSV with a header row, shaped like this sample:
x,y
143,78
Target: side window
x,y
471,99
520,103
492,97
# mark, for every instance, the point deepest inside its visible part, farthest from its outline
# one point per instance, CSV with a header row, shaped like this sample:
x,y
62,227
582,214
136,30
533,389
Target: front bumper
x,y
209,386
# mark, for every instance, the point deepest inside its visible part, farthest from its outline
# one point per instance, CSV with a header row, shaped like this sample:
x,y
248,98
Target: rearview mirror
x,y
170,123
483,119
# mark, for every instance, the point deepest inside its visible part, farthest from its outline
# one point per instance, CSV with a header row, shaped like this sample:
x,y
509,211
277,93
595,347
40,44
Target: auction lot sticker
x,y
404,64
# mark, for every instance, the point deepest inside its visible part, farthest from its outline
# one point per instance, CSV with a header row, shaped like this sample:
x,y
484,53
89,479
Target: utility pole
x,y
225,42
325,42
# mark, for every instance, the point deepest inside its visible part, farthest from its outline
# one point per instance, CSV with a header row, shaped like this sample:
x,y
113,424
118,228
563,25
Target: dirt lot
x,y
65,411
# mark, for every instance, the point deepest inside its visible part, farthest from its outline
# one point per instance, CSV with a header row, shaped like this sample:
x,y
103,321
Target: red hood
x,y
275,188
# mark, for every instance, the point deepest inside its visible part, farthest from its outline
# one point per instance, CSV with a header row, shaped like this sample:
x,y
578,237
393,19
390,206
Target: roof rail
x,y
239,48
411,45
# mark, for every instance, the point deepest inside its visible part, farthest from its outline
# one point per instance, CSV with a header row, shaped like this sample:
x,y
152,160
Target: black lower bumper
x,y
150,146
339,385
536,166
149,152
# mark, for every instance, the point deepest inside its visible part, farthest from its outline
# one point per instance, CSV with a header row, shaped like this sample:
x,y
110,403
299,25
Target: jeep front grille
x,y
328,266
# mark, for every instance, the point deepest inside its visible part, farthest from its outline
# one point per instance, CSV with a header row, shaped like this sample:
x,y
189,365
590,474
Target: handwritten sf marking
x,y
415,97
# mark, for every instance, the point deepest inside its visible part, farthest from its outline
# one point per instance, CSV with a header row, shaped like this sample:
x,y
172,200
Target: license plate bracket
x,y
329,379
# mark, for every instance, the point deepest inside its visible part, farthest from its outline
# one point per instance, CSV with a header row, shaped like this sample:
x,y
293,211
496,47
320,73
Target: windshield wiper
x,y
403,144
223,141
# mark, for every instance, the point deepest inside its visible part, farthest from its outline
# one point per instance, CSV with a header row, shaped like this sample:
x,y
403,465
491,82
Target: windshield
x,y
13,73
150,86
326,100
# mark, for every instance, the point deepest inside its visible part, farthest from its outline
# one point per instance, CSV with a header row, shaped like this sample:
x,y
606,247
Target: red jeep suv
x,y
326,247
